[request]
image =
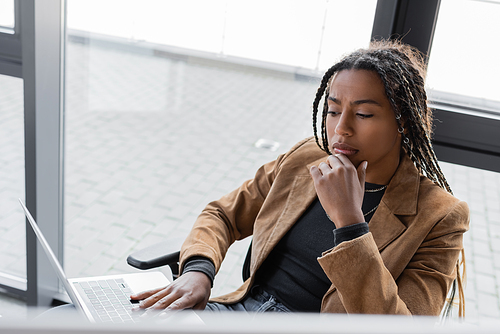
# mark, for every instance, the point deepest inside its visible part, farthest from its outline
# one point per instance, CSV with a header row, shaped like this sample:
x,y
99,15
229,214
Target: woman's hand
x,y
190,290
340,188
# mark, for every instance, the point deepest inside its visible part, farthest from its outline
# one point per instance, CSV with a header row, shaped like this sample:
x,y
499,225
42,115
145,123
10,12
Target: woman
x,y
371,176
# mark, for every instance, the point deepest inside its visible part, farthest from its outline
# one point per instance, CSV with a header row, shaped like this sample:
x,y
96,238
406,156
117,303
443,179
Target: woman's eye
x,y
364,115
332,113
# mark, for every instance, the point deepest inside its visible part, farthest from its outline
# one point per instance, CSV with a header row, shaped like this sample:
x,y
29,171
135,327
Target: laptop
x,y
101,298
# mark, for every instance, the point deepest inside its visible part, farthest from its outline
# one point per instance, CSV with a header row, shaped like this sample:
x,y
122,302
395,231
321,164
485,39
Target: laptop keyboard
x,y
109,300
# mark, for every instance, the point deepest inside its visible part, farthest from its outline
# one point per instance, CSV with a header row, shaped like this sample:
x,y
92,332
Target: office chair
x,y
167,253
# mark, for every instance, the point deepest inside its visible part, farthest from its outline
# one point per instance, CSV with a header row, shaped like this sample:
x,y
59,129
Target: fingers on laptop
x,y
145,294
157,298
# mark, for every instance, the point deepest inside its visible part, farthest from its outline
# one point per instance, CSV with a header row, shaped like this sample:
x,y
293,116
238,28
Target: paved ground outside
x,y
151,140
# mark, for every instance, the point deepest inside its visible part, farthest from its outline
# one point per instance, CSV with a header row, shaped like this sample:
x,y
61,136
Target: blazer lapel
x,y
301,195
385,226
400,199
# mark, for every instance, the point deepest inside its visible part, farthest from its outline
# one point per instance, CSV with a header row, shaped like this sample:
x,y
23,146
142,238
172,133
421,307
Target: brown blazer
x,y
405,265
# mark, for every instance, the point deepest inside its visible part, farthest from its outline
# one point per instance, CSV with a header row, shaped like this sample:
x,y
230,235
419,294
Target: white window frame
x,y
35,53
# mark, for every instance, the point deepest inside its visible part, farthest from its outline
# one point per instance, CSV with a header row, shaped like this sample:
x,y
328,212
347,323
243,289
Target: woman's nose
x,y
343,127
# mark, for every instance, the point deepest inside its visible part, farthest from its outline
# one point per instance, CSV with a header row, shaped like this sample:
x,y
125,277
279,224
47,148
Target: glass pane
x,y
7,17
307,34
464,55
162,118
12,221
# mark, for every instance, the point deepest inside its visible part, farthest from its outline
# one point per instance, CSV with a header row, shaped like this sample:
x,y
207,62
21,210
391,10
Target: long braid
x,y
319,95
421,144
402,71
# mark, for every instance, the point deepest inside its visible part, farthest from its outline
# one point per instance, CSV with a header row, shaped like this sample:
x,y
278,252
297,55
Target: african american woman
x,y
357,219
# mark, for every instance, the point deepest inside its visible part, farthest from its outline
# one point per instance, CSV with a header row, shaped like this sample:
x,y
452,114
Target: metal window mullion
x,y
41,38
13,285
467,137
10,61
411,21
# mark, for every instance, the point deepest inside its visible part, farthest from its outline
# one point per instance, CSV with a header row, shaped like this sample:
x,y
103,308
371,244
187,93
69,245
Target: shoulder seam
x,y
284,156
298,145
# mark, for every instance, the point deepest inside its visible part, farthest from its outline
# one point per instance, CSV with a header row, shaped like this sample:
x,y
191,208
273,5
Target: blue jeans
x,y
258,301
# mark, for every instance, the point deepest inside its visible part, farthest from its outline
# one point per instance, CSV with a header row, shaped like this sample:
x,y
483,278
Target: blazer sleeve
x,y
364,284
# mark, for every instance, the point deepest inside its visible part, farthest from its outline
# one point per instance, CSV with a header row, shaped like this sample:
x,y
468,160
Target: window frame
x,y
465,135
35,53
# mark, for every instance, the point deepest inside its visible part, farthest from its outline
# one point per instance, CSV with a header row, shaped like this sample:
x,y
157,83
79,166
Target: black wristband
x,y
349,232
200,264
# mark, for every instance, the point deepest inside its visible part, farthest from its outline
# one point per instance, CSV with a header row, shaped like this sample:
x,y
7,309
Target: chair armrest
x,y
157,255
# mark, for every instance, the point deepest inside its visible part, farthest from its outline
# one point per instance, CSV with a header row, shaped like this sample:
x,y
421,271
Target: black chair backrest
x,y
245,272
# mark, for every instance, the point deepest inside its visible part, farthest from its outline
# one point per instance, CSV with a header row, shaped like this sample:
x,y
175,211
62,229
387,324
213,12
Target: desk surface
x,y
187,322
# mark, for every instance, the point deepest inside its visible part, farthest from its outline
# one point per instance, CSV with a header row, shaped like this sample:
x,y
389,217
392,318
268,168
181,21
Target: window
x,y
7,16
309,34
164,106
12,229
463,64
159,121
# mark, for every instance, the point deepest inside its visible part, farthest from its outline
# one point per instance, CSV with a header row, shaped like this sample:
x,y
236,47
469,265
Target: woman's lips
x,y
344,149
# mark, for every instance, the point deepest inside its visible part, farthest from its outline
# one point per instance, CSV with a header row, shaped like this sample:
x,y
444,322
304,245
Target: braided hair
x,y
402,71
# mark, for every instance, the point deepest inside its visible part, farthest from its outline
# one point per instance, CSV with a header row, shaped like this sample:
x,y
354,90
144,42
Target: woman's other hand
x,y
340,188
190,291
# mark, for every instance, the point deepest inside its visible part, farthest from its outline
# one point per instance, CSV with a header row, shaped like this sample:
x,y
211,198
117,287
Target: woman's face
x,y
361,123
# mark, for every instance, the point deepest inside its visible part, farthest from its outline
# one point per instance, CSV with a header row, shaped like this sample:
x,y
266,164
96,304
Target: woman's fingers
x,y
340,160
362,173
186,301
153,298
336,164
324,168
190,290
172,301
332,162
315,172
340,188
145,294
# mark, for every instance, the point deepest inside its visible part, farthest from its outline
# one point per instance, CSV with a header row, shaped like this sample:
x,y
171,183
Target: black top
x,y
291,272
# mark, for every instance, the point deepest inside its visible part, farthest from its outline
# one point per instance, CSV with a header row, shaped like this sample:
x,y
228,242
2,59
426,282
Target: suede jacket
x,y
404,265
